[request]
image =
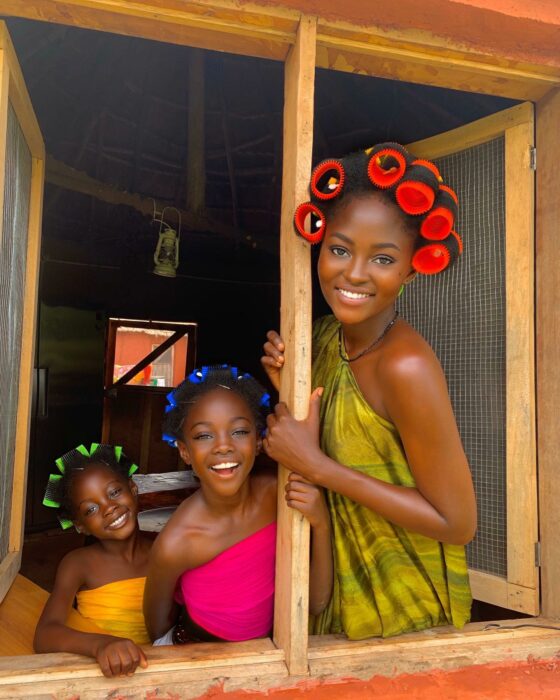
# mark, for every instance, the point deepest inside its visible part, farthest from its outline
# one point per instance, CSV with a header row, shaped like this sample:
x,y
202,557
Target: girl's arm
x,y
116,656
167,562
310,501
442,505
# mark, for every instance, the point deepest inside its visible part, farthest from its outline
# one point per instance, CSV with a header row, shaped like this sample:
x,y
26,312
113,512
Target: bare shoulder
x,y
188,519
74,566
408,358
187,525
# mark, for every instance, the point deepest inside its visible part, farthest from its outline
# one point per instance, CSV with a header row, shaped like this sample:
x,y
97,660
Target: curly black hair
x,y
204,380
75,462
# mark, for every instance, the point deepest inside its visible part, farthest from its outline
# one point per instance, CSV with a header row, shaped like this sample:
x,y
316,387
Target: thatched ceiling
x,y
116,109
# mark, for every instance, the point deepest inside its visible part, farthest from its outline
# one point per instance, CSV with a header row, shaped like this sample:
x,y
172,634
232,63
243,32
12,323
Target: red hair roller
x,y
324,176
440,219
310,222
459,241
431,166
416,191
431,259
436,257
387,165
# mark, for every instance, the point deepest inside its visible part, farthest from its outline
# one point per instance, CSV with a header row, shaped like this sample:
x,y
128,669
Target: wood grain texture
x,y
13,91
548,342
190,671
268,30
292,568
497,590
521,457
472,134
220,26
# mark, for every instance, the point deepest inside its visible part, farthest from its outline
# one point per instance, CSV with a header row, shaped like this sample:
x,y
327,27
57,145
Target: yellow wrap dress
x,y
116,608
388,580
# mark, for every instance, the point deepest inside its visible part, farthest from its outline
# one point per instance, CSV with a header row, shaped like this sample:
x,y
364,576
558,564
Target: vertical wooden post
x,y
12,82
292,569
548,343
196,163
521,458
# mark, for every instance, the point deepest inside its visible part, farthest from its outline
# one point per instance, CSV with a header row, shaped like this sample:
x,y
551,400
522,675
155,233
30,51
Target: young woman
x,y
400,492
212,568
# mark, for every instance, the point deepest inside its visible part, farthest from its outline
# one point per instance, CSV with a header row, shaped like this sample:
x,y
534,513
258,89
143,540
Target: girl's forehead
x,y
218,401
95,475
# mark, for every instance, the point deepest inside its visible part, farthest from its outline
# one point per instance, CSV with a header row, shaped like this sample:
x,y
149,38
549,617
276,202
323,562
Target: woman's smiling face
x,y
365,257
220,440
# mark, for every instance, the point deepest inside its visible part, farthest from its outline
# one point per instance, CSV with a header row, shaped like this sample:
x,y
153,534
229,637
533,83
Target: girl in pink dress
x,y
212,568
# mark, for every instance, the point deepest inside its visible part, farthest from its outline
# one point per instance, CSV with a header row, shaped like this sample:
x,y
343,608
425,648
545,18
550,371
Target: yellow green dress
x,y
388,580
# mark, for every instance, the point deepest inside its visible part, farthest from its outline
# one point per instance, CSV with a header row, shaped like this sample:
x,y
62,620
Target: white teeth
x,y
224,465
353,295
119,521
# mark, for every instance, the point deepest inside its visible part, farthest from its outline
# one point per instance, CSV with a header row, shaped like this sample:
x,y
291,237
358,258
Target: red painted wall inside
x,y
130,348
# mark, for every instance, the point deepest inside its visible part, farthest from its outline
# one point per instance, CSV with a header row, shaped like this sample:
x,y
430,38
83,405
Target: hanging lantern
x,y
166,257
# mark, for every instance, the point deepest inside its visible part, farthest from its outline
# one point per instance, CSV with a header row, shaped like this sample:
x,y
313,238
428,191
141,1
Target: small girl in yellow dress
x,y
95,493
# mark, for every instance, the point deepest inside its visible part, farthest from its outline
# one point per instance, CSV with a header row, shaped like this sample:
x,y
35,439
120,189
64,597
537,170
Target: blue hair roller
x,y
234,372
169,439
195,377
265,400
198,376
171,402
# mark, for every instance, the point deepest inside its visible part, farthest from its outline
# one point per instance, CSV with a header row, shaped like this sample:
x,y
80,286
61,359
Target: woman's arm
x,y
442,505
115,656
167,562
310,501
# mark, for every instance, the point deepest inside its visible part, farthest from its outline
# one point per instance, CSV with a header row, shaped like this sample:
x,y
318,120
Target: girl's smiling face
x,y
365,257
104,503
220,440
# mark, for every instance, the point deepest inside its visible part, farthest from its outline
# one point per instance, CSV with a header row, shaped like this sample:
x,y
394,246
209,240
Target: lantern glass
x,y
166,257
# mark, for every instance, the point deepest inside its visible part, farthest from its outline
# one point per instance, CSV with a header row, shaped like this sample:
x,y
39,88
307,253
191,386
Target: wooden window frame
x,y
13,92
281,34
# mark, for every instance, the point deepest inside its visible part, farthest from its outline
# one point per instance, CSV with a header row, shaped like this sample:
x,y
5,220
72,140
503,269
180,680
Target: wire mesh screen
x,y
13,251
462,315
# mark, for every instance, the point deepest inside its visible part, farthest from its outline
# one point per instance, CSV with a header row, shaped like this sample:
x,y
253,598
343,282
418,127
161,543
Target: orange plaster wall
x,y
523,681
523,30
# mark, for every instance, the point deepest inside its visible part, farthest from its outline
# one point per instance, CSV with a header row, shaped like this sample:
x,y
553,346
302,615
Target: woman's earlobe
x,y
411,275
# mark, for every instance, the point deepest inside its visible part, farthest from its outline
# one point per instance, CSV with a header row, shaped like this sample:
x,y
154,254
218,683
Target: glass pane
x,y
13,254
134,344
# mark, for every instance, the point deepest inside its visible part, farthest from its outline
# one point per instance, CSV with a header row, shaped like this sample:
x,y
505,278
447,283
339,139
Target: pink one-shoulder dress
x,y
232,595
